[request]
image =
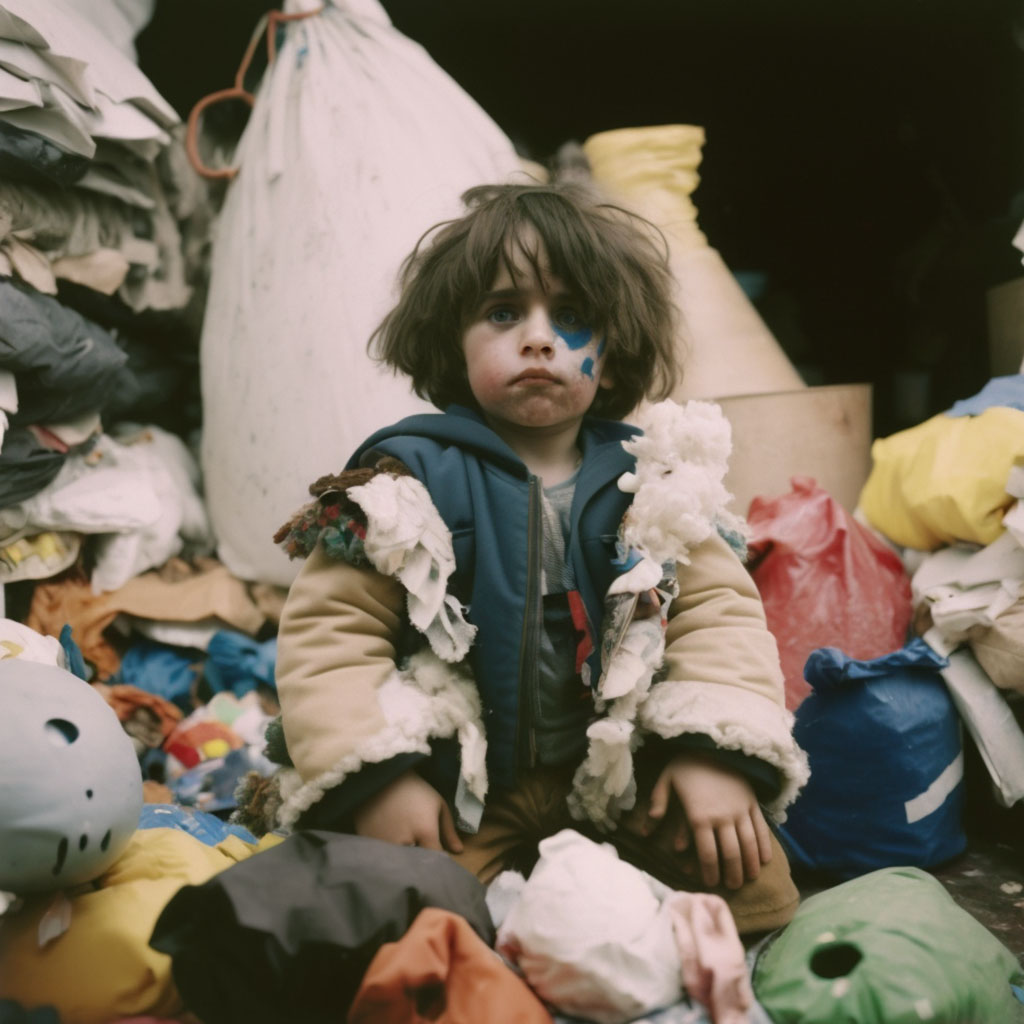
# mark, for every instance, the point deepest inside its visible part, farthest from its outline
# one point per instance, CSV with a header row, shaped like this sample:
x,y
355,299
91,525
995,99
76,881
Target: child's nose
x,y
538,337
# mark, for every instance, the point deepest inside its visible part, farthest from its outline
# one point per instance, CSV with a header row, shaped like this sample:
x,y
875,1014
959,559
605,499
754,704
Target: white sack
x,y
357,144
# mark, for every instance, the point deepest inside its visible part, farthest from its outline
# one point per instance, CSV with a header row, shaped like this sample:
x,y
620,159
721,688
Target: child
x,y
441,652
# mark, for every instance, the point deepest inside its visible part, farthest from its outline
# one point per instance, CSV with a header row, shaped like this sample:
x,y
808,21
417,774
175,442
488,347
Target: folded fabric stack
x,y
97,206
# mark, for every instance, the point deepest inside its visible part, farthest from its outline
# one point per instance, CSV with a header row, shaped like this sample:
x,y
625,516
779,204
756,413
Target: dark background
x,y
864,158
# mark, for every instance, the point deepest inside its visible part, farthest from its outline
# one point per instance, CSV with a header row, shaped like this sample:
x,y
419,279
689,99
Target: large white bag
x,y
358,143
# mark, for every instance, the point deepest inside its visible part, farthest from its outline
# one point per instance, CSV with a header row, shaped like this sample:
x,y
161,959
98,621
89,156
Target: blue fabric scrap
x,y
999,391
73,653
165,671
238,663
206,827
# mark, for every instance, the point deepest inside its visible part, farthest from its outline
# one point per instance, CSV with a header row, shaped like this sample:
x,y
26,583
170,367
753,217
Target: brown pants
x,y
515,822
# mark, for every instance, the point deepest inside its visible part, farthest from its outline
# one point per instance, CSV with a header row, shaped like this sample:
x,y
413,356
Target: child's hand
x,y
723,822
409,812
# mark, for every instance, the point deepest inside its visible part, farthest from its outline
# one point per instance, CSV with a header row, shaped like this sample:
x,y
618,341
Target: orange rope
x,y
268,23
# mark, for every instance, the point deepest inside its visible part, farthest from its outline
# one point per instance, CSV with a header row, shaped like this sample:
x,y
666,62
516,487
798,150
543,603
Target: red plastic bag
x,y
825,580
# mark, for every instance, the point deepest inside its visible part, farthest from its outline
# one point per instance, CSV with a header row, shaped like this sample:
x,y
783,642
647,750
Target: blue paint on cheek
x,y
600,347
588,368
574,339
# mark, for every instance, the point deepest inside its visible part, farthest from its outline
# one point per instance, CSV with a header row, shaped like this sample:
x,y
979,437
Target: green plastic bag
x,y
889,947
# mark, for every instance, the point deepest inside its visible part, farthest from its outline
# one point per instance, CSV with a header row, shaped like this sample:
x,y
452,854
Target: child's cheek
x,y
485,383
585,350
575,339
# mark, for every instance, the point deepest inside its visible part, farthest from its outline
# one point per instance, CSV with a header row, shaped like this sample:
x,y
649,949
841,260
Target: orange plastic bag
x,y
442,971
825,580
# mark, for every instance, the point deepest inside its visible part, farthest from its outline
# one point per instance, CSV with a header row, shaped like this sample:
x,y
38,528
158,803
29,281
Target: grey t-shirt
x,y
563,706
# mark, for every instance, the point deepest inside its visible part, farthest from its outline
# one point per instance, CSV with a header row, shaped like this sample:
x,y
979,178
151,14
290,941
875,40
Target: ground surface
x,y
988,882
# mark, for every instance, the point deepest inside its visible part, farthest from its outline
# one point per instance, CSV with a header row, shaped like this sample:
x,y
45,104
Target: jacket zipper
x,y
529,643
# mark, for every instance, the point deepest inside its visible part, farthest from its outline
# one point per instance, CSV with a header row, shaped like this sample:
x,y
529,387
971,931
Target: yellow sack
x,y
723,345
945,479
102,968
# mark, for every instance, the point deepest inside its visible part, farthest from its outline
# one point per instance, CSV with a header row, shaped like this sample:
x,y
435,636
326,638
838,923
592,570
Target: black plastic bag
x,y
25,156
288,934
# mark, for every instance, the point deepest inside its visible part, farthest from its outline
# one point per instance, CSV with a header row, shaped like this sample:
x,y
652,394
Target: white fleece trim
x,y
603,785
406,538
633,665
755,726
645,575
426,700
680,497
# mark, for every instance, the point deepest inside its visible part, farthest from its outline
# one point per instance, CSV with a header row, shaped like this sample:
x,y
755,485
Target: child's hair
x,y
609,258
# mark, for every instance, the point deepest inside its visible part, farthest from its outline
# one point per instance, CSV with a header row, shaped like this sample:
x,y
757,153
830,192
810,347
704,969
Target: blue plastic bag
x,y
885,747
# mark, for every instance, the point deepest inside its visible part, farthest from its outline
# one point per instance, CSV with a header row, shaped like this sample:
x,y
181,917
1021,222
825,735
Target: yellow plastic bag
x,y
102,967
945,479
723,345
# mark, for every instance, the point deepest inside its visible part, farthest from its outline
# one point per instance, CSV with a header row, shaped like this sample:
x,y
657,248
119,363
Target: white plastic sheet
x,y
598,938
87,56
988,718
964,586
118,21
8,400
19,641
357,144
589,933
137,491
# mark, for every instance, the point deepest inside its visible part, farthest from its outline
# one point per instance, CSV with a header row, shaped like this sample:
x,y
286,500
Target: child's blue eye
x,y
569,318
502,315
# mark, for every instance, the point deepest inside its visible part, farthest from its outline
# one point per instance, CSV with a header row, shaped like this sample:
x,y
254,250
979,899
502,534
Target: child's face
x,y
532,361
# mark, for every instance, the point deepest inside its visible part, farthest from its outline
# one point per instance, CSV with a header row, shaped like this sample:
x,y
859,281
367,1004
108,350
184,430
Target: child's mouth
x,y
535,377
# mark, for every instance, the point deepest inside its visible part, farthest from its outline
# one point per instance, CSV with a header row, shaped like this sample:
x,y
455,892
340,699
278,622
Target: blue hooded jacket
x,y
491,504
